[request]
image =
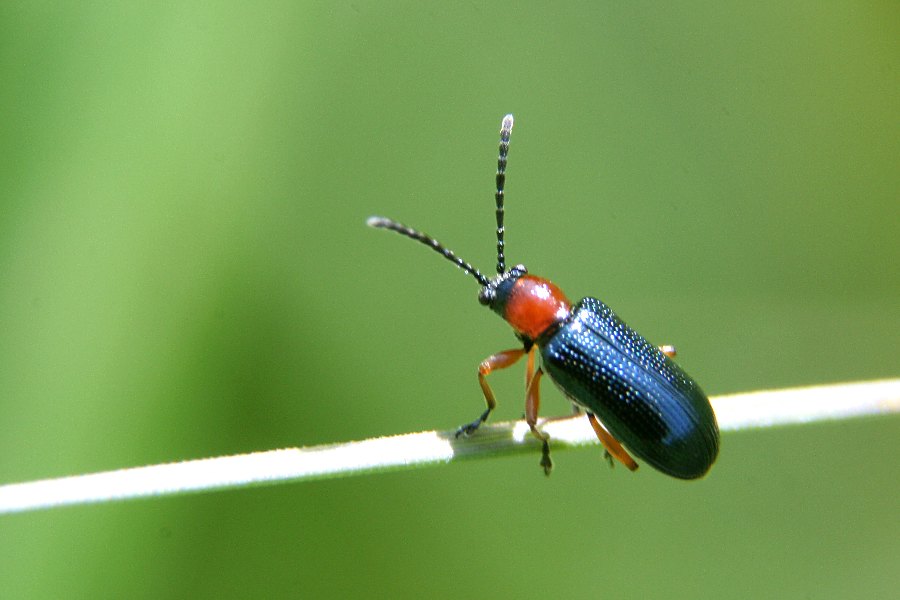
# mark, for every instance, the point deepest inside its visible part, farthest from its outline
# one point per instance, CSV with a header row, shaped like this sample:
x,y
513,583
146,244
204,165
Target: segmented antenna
x,y
505,129
385,223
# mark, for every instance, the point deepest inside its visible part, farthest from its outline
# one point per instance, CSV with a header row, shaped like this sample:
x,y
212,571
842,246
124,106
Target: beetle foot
x,y
468,429
472,427
546,463
609,458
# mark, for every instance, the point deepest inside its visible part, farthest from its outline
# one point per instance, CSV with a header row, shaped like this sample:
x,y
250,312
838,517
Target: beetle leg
x,y
529,368
501,360
668,350
613,447
532,405
608,458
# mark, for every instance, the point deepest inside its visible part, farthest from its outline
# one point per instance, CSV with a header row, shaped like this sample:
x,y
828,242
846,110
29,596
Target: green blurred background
x,y
186,273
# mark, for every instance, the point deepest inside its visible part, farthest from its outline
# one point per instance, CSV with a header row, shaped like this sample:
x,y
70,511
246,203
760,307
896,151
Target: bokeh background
x,y
185,272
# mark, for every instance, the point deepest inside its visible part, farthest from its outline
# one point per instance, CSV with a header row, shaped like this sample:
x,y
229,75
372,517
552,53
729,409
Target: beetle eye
x,y
486,296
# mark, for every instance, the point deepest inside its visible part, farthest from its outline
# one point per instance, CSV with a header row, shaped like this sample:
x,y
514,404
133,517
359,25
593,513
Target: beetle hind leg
x,y
608,458
613,449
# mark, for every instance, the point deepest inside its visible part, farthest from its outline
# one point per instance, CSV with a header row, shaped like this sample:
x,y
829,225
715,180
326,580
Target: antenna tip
x,y
377,222
507,122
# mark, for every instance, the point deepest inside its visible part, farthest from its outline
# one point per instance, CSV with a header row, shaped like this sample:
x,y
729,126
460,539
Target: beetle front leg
x,y
501,360
532,406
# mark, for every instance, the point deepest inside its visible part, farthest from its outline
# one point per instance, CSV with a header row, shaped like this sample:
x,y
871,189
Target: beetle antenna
x,y
384,223
505,130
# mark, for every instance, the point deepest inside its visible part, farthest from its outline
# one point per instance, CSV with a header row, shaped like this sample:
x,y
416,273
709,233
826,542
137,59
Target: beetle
x,y
634,394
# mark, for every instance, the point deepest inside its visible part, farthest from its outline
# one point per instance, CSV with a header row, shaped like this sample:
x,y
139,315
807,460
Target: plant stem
x,y
734,412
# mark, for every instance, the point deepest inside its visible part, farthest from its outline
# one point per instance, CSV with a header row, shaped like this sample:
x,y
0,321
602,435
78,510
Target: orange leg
x,y
668,350
529,368
501,360
532,406
613,447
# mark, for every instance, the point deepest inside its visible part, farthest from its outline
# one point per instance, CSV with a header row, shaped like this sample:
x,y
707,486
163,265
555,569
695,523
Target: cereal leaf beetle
x,y
634,394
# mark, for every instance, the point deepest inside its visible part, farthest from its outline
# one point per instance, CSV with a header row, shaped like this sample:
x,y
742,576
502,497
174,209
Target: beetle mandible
x,y
634,394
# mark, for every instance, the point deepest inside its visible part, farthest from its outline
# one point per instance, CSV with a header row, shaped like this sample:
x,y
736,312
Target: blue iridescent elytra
x,y
639,394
